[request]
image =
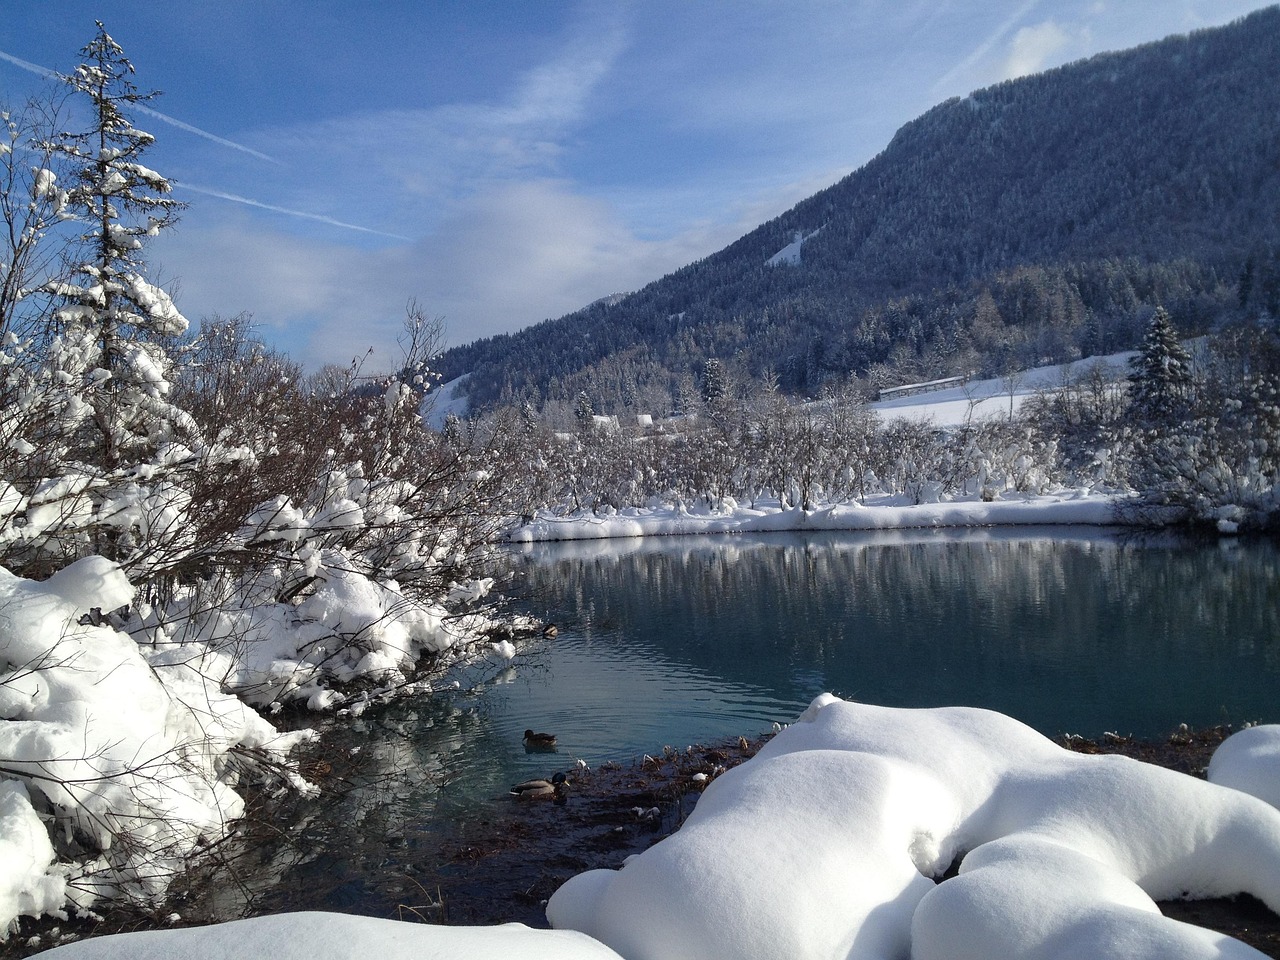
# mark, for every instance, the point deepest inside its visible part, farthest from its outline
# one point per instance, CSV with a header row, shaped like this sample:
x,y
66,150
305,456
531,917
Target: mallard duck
x,y
539,740
532,789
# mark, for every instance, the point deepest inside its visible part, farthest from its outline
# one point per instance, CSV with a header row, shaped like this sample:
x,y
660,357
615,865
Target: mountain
x,y
1038,220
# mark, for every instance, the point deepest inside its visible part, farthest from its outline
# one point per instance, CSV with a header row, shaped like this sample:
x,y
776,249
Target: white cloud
x,y
1033,47
502,259
393,170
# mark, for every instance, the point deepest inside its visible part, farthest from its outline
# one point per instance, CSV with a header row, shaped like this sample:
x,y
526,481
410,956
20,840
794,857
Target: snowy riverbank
x,y
1066,507
1062,855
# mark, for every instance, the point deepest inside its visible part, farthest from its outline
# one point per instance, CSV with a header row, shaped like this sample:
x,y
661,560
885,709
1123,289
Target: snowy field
x,y
986,399
827,845
1067,507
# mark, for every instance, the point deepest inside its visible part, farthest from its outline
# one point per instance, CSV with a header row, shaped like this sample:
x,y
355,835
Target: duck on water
x,y
539,741
556,787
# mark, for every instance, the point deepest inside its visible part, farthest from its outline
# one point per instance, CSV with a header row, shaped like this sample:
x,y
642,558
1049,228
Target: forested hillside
x,y
1042,219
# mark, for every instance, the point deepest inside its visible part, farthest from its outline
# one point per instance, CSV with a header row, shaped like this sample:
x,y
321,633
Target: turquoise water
x,y
1081,631
673,641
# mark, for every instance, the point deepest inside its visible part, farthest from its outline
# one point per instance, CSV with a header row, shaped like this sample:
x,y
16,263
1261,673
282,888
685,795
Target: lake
x,y
675,641
1067,629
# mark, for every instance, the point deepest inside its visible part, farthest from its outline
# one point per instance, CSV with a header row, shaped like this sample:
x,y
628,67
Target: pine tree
x,y
1160,378
117,446
713,382
113,321
583,410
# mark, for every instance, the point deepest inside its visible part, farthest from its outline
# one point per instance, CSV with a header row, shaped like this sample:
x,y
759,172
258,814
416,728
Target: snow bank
x,y
115,769
1071,507
333,936
826,843
1250,761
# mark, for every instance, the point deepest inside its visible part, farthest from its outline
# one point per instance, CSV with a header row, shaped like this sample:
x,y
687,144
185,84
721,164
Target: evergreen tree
x,y
1160,375
113,321
583,410
713,382
528,417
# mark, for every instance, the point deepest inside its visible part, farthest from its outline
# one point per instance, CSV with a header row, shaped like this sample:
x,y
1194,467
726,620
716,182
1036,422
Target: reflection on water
x,y
678,641
1080,631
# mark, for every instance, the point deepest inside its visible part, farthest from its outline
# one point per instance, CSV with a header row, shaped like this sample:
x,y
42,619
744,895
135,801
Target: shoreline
x,y
502,866
875,513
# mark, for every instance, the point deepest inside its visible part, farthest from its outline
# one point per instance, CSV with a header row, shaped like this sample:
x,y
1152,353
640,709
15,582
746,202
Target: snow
x,y
829,841
163,314
27,885
983,399
128,753
444,400
1067,507
790,254
1249,760
331,936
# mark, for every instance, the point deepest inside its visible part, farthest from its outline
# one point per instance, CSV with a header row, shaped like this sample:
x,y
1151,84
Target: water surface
x,y
675,641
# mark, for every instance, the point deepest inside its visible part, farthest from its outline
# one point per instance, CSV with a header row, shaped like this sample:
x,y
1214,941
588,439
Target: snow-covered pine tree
x,y
116,439
113,322
583,410
1160,378
713,382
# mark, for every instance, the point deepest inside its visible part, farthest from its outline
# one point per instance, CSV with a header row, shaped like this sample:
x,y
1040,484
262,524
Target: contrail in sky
x,y
44,72
234,198
985,47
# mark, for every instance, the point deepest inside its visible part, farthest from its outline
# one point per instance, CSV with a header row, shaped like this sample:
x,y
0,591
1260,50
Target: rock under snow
x,y
1249,760
828,843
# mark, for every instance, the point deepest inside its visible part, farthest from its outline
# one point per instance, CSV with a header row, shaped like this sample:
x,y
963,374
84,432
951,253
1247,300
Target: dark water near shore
x,y
693,640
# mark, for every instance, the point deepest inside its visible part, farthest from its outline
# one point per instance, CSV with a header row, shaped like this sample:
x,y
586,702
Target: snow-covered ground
x,y
829,842
444,400
984,399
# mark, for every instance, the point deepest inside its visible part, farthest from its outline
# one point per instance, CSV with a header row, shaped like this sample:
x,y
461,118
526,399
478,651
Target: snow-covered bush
x,y
187,520
115,766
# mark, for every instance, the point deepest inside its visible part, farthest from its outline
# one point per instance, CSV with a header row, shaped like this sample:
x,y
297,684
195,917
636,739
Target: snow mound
x,y
333,936
1250,761
828,843
115,769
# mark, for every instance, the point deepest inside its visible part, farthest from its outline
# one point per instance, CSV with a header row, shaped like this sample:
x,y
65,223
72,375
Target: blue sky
x,y
505,162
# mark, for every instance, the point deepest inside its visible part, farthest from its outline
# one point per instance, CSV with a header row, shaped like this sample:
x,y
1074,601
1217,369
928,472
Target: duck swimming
x,y
557,786
539,740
